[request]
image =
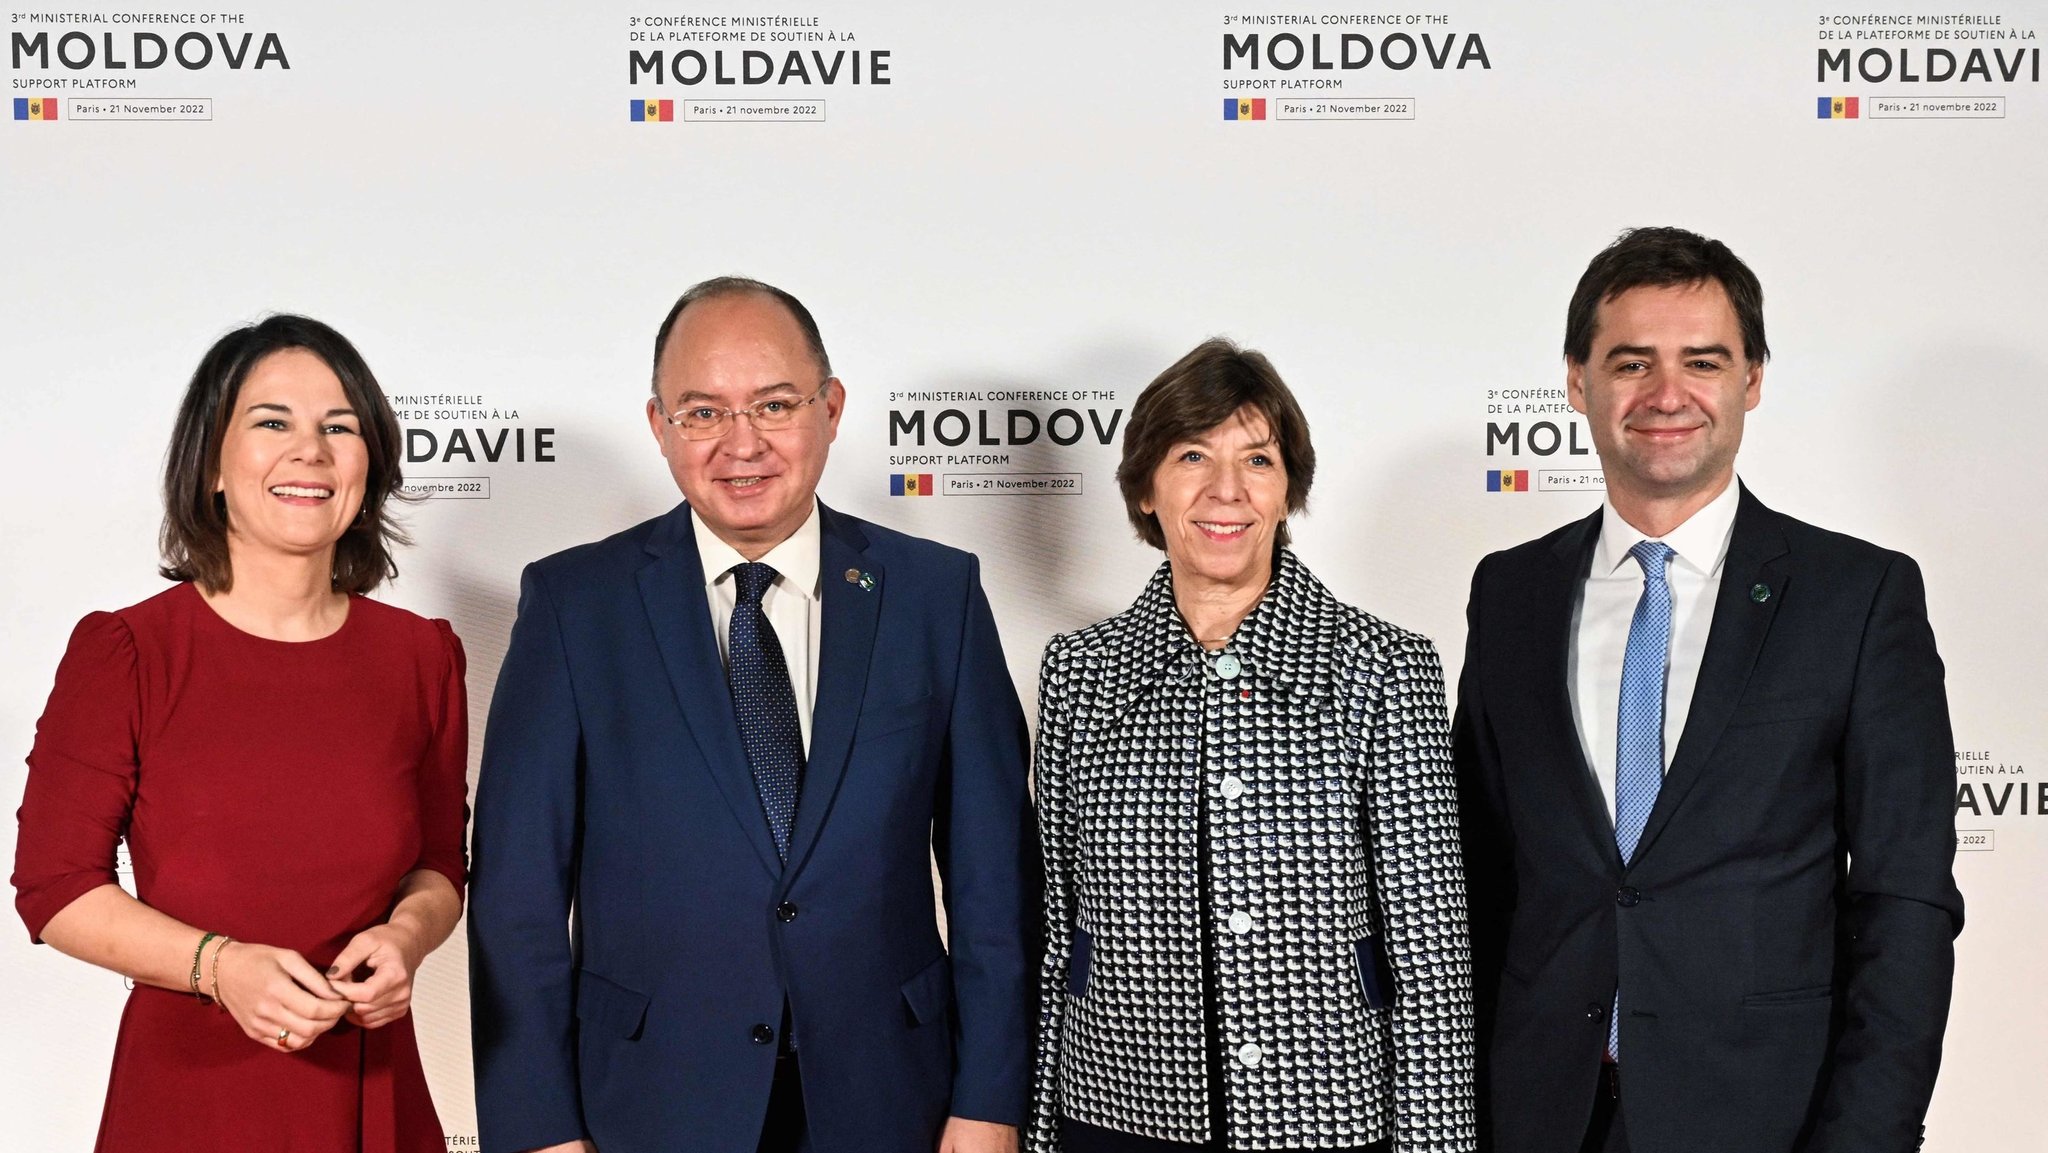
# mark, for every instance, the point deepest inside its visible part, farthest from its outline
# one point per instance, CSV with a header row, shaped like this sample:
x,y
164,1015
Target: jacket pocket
x,y
1080,962
891,718
1373,975
929,994
608,1006
1791,996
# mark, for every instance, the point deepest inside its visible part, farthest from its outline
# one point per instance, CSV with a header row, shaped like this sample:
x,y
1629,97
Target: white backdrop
x,y
1041,199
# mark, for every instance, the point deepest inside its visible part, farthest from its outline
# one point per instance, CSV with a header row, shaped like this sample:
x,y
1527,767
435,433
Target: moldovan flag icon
x,y
1838,107
1500,480
912,484
1244,109
35,108
652,110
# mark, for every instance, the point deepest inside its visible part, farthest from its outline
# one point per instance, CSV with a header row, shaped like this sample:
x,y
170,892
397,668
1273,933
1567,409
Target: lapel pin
x,y
856,577
1759,593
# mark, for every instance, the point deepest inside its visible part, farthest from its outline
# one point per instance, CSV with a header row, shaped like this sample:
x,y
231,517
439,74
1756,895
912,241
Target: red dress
x,y
273,791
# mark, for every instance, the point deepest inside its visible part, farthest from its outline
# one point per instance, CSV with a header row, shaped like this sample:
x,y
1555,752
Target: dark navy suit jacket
x,y
1784,936
614,786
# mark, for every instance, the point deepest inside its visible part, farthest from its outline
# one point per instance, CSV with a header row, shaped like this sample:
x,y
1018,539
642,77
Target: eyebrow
x,y
1201,442
1687,351
286,409
764,390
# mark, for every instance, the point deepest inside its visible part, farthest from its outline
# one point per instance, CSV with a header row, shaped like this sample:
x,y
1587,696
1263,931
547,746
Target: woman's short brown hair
x,y
194,540
1202,390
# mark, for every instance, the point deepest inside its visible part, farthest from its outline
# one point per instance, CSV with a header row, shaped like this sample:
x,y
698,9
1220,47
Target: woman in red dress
x,y
286,759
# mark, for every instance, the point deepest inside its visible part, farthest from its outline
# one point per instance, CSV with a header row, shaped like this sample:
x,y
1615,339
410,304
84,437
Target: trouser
x,y
785,1129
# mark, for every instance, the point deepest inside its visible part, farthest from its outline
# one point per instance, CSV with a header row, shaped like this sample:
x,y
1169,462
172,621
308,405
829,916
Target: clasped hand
x,y
281,1001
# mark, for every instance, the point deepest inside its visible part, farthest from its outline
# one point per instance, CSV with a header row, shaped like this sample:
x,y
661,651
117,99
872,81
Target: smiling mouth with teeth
x,y
745,481
301,491
1223,529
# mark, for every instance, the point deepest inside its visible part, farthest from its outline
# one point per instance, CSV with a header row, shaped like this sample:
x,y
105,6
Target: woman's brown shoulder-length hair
x,y
194,540
1201,390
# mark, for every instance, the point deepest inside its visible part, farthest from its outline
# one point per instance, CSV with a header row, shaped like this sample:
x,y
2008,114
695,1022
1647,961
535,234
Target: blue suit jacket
x,y
1783,938
614,785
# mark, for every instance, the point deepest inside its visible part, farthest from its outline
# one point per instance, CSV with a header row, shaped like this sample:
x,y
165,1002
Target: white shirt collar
x,y
795,561
1701,543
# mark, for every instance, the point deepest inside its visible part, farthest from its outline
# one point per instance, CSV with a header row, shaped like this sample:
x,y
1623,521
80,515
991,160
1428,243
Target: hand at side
x,y
965,1136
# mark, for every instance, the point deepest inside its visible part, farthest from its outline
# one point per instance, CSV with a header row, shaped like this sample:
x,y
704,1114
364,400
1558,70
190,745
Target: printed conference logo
x,y
999,441
1992,792
1310,66
1539,422
723,68
100,61
464,431
1883,50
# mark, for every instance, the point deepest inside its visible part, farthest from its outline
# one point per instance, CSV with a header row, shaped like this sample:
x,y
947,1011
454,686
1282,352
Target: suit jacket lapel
x,y
1756,558
846,641
672,588
1550,623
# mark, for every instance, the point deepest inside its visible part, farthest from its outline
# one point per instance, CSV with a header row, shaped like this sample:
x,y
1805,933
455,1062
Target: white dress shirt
x,y
791,603
1606,606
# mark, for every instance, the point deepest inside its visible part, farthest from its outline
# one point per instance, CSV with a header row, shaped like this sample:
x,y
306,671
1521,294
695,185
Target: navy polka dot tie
x,y
764,703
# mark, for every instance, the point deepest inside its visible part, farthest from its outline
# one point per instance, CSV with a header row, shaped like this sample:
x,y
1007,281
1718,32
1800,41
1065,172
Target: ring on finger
x,y
283,1035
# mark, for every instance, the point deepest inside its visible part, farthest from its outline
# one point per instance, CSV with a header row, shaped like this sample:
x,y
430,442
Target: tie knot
x,y
752,579
1653,555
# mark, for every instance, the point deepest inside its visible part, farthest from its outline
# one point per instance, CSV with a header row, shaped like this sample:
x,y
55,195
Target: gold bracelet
x,y
196,954
217,951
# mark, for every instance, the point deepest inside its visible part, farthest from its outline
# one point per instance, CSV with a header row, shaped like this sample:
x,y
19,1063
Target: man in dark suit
x,y
730,741
1706,773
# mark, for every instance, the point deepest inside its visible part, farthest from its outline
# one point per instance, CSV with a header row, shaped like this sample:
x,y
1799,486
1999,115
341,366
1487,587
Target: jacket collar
x,y
1757,560
1755,581
1160,650
672,586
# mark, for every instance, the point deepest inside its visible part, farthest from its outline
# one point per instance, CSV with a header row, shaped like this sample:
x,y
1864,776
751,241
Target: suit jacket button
x,y
1628,897
762,1035
1596,1011
785,912
1250,1056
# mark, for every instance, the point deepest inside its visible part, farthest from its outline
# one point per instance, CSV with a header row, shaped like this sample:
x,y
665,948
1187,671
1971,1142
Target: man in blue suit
x,y
730,741
1707,775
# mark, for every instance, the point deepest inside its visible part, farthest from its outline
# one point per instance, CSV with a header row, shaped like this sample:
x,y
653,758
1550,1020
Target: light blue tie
x,y
1639,732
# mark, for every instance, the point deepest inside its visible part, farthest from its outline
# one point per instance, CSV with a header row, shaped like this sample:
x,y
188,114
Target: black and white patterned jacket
x,y
1290,798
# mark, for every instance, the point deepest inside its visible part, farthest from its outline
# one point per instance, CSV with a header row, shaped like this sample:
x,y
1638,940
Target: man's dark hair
x,y
194,539
719,286
1202,390
1660,258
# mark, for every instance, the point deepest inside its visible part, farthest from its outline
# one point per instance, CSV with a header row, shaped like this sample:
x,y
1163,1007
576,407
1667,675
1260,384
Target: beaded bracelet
x,y
196,954
225,941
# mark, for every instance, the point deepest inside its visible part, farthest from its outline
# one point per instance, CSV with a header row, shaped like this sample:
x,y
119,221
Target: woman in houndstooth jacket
x,y
1255,906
